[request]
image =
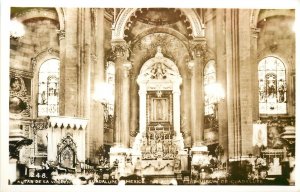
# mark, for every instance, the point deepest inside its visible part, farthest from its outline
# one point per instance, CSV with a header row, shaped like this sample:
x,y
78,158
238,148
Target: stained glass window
x,y
209,79
272,86
48,88
110,79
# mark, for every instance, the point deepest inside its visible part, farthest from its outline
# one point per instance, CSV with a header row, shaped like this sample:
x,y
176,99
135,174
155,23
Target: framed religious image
x,y
159,110
159,106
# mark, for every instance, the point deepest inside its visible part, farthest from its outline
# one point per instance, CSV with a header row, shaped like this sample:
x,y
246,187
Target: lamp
x,y
104,93
17,29
215,92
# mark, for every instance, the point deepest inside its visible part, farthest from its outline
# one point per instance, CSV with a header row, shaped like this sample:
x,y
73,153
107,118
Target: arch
x,y
37,13
258,15
118,31
45,13
61,17
48,88
36,62
254,17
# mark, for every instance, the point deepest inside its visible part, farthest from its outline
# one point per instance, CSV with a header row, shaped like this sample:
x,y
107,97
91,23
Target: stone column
x,y
120,53
62,57
68,97
186,104
122,111
222,79
254,64
233,93
246,81
199,151
197,95
96,76
125,109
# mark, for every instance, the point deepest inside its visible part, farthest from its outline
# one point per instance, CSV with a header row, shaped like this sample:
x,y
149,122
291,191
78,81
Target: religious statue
x,y
158,52
16,84
159,109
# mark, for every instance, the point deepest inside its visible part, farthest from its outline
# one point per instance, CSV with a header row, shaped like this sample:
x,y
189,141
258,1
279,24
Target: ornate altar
x,y
159,145
66,150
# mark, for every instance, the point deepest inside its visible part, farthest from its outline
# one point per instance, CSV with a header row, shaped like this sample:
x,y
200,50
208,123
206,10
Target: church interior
x,y
154,96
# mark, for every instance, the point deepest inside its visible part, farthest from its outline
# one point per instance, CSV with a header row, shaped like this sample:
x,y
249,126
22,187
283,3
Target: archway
x,y
118,30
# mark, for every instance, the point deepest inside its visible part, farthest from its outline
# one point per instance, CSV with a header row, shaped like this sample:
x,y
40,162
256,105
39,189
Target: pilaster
x,y
222,79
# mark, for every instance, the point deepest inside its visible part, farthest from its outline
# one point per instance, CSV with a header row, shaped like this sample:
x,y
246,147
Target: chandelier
x,y
17,29
215,91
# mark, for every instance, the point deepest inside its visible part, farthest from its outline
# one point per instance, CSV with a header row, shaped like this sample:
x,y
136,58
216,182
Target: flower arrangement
x,y
261,164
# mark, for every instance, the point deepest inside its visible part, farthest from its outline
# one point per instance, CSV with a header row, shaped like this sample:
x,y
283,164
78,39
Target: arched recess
x,y
118,31
258,15
36,63
45,13
67,152
159,74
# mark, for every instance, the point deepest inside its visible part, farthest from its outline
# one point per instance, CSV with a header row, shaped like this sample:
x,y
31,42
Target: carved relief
x,y
124,17
120,49
159,68
199,49
19,100
43,54
67,156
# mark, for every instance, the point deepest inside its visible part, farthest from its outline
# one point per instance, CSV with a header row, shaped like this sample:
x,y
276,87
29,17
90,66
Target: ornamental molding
x,y
125,14
120,49
198,48
68,122
19,98
43,56
159,73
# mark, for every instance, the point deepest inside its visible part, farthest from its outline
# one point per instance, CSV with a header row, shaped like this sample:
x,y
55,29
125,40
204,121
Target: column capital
x,y
198,48
254,32
120,49
61,34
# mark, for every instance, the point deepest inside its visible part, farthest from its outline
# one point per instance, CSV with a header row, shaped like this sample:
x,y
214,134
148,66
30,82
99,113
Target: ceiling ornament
x,y
125,17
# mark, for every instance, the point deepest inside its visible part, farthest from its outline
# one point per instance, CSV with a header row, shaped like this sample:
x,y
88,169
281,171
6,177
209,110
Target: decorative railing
x,y
158,143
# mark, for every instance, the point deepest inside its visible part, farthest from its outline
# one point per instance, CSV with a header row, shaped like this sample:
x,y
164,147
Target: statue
x,y
158,52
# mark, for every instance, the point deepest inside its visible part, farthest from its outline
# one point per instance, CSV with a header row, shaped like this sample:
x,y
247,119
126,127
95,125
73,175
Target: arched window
x,y
209,79
272,86
48,88
110,80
